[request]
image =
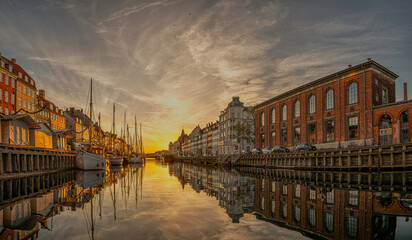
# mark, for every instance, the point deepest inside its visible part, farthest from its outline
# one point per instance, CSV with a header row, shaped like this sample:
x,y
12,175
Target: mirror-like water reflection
x,y
184,201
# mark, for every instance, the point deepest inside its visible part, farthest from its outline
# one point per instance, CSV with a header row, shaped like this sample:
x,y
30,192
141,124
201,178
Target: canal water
x,y
185,201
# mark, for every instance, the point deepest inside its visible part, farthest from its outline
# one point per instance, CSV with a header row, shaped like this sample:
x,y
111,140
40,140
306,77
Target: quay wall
x,y
16,160
373,158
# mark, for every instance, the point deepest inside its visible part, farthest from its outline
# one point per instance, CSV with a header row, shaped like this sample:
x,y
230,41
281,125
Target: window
x,y
20,102
353,93
312,217
24,89
404,127
329,99
330,197
297,109
1,77
285,210
284,113
13,82
262,119
19,86
384,96
330,131
284,138
312,194
353,128
273,116
297,136
329,221
273,206
6,80
1,94
6,111
262,203
6,96
25,103
312,132
352,226
312,104
12,99
297,190
353,198
285,189
273,138
296,213
273,186
262,140
1,109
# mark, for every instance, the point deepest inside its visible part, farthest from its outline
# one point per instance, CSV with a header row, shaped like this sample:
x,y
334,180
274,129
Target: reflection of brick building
x,y
355,106
337,213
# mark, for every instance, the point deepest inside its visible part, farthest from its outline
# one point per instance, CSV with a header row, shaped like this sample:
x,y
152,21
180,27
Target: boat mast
x,y
135,134
100,138
91,112
114,127
141,140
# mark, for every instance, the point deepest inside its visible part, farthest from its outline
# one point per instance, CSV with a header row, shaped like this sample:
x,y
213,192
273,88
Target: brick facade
x,y
340,100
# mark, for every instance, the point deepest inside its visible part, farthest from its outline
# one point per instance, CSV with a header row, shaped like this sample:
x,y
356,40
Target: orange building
x,y
50,114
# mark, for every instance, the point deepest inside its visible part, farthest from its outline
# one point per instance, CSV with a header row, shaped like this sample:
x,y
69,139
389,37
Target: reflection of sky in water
x,y
164,212
403,228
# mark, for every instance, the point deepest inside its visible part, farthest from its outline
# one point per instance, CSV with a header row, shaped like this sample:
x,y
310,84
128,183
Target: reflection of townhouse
x,y
7,86
330,213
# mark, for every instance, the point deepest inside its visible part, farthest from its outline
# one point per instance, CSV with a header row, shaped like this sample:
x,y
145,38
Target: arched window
x,y
285,210
273,116
284,112
404,127
329,99
262,119
297,109
329,221
353,93
312,104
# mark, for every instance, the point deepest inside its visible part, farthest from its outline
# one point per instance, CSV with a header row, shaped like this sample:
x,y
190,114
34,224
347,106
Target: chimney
x,y
42,94
405,91
350,65
13,60
369,59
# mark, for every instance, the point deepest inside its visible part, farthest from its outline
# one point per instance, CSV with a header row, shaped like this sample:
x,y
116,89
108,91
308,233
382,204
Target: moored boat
x,y
90,161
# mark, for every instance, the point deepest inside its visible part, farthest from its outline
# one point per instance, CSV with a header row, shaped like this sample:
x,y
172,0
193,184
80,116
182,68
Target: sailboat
x,y
89,160
115,159
136,159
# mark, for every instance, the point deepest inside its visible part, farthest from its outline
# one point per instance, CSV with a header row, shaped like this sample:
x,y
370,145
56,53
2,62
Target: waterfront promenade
x,y
372,158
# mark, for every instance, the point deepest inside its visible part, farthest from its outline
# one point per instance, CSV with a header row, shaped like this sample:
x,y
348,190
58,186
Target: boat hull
x,y
90,161
115,161
135,160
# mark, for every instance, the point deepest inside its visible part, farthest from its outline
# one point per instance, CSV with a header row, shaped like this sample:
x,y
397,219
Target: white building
x,y
236,128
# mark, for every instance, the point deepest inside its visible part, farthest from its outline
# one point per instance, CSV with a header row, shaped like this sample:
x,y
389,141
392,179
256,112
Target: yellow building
x,y
25,91
50,114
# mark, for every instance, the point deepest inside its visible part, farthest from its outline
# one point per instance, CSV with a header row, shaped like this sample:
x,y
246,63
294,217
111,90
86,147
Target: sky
x,y
177,63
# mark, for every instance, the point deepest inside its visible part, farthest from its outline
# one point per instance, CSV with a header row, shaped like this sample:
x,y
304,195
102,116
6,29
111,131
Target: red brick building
x,y
7,86
352,107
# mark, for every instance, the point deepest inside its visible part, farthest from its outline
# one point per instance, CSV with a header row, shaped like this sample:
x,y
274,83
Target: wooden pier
x,y
369,158
17,160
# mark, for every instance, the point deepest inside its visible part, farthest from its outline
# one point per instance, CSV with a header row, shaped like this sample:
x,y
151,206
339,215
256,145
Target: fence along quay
x,y
372,158
15,160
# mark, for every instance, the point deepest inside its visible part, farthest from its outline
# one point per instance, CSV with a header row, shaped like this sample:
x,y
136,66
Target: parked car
x,y
280,149
305,147
245,152
266,150
256,151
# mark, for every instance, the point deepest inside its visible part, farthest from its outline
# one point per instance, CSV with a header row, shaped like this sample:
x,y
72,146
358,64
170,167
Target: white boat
x,y
90,161
135,160
115,160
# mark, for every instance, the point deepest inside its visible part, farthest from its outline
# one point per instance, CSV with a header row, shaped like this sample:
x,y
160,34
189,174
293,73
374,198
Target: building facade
x,y
344,109
25,91
236,128
49,113
7,86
